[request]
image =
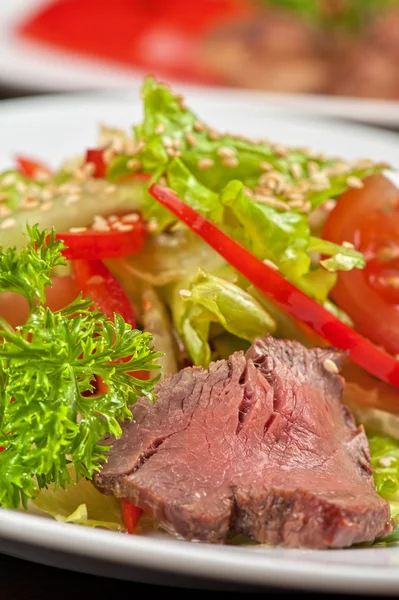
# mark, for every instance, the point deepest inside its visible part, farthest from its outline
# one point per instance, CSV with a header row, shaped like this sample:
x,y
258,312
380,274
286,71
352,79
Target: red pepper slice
x,y
362,351
96,157
94,244
31,168
131,515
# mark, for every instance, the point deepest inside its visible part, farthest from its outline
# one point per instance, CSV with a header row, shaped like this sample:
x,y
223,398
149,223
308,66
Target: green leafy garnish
x,y
48,417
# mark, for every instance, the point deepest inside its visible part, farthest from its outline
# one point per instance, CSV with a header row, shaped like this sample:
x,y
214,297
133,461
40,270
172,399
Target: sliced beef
x,y
257,444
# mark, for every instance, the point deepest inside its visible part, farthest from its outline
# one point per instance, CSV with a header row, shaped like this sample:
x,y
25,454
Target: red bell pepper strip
x,y
291,299
94,278
31,168
131,515
95,156
94,244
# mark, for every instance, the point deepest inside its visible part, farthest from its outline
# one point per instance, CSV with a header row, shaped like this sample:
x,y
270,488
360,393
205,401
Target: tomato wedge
x,y
31,168
284,293
369,219
115,238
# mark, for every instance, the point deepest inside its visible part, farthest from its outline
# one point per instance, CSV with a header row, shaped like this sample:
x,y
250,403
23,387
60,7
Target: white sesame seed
x,y
298,203
296,170
330,366
313,168
134,164
279,150
9,179
265,166
329,204
99,220
131,218
42,176
4,211
191,139
176,144
184,293
230,162
167,141
113,219
198,126
205,163
110,189
89,169
387,253
348,245
96,280
122,227
226,152
46,194
386,461
271,201
306,207
270,264
77,229
80,175
21,187
46,206
152,226
355,182
213,135
8,223
108,155
159,129
99,227
137,147
28,204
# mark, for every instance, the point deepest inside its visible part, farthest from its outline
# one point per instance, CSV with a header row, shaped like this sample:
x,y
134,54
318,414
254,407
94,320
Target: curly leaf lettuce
x,y
209,299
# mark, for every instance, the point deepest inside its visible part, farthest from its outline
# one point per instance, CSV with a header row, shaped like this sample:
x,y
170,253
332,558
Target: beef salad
x,y
189,338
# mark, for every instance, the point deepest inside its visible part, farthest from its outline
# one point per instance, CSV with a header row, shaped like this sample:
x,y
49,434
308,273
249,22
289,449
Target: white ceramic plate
x,y
27,65
52,128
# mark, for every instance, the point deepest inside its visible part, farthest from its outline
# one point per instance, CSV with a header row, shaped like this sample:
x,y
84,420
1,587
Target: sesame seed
x,y
248,191
77,229
46,194
28,204
110,189
271,201
89,169
230,162
99,220
80,175
9,179
279,150
265,166
138,147
71,199
96,280
8,223
363,164
167,141
176,144
198,126
42,176
306,207
159,129
329,204
184,293
99,227
386,461
191,139
122,227
330,366
134,164
205,163
131,218
21,187
296,170
4,211
226,152
177,153
298,203
46,206
354,182
108,155
387,253
113,219
152,226
213,135
270,264
348,245
313,168
393,281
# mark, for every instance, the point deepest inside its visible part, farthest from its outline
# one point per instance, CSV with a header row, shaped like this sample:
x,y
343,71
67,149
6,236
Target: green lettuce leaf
x,y
342,258
384,452
210,299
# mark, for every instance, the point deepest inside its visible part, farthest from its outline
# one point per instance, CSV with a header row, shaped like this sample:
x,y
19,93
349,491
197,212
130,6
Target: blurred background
x,y
337,50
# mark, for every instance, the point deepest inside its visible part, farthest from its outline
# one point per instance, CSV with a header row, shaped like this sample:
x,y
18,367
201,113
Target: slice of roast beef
x,y
257,444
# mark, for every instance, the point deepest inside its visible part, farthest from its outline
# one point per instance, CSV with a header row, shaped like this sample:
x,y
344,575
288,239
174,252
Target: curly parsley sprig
x,y
47,422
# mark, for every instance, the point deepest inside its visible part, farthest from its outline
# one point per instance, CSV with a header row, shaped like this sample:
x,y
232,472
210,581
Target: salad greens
x,y
48,417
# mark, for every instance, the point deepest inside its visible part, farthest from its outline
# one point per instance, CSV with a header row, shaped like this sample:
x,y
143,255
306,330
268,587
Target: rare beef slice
x,y
257,444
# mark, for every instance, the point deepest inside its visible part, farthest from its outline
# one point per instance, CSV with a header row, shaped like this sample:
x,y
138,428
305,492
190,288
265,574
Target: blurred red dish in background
x,y
152,35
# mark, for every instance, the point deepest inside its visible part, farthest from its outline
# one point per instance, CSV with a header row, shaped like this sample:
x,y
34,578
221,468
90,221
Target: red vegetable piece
x,y
295,302
93,244
31,168
131,515
95,156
